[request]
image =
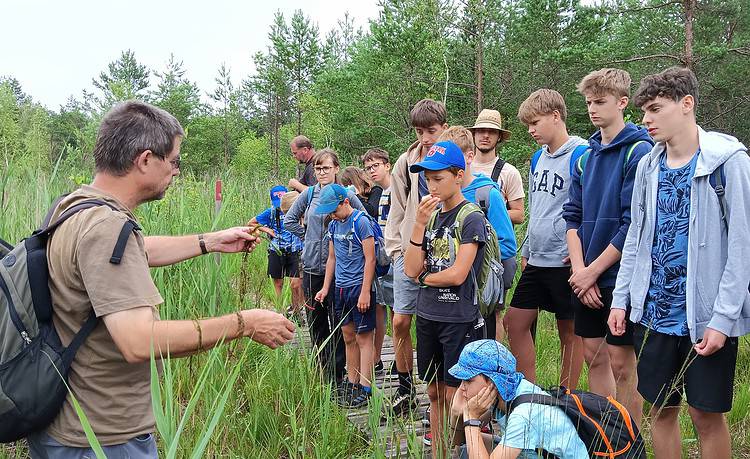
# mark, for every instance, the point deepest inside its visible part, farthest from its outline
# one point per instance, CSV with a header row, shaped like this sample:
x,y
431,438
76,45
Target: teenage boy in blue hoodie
x,y
684,270
476,188
545,269
351,260
447,314
597,218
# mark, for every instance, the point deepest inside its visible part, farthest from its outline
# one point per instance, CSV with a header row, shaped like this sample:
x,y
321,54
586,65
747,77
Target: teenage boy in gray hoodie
x,y
684,270
544,254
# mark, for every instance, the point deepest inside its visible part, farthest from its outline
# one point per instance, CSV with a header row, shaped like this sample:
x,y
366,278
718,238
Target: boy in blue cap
x,y
351,261
283,250
489,382
447,313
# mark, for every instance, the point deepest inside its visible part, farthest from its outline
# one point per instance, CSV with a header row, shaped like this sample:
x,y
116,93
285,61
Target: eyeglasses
x,y
372,167
323,169
176,162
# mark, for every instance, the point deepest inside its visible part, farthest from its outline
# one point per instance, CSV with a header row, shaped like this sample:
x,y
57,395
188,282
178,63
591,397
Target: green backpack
x,y
488,285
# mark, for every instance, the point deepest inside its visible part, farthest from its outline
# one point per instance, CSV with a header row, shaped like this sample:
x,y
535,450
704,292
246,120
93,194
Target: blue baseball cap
x,y
441,156
330,197
492,359
276,193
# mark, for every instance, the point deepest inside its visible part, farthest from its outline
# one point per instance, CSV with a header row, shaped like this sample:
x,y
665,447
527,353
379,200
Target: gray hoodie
x,y
545,244
315,253
718,273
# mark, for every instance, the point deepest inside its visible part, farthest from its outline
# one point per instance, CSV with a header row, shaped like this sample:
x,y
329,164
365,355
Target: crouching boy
x,y
441,257
351,257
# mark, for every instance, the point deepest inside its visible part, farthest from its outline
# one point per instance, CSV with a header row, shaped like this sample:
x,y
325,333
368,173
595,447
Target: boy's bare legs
x,y
380,325
352,352
366,345
571,349
278,284
402,345
665,432
518,322
623,361
298,295
440,398
601,379
713,433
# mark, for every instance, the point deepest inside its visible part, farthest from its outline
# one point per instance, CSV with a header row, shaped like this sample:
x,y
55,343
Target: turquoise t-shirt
x,y
533,426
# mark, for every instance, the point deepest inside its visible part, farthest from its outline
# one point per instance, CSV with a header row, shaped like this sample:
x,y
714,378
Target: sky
x,y
55,48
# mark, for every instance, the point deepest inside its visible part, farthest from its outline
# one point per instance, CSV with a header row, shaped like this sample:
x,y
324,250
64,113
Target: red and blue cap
x,y
276,193
441,156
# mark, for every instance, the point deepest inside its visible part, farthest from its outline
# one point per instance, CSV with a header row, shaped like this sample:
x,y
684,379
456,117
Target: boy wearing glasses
x,y
377,164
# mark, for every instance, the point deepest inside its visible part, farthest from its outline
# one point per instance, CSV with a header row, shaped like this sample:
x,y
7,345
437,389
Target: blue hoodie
x,y
497,214
599,205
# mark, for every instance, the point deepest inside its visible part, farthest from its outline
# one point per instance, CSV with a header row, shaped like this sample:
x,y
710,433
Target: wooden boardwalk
x,y
392,433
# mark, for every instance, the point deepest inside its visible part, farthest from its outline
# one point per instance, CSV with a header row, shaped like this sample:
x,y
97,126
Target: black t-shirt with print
x,y
451,304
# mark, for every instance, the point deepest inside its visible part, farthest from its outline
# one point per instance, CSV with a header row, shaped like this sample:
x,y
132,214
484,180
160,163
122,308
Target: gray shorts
x,y
510,265
42,446
404,289
384,288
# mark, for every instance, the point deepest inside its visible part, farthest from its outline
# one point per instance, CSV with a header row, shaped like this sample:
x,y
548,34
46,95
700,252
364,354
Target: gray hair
x,y
130,128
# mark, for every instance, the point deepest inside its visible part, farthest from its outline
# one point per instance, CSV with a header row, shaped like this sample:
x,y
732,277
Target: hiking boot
x,y
361,401
379,368
403,403
349,393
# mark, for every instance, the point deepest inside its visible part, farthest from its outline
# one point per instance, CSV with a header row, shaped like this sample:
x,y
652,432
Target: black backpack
x,y
603,424
34,365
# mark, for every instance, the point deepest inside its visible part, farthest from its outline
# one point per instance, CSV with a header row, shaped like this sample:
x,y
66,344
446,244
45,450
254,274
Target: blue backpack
x,y
578,152
382,260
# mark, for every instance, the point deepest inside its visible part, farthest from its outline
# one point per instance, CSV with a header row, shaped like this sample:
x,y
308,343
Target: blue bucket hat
x,y
441,156
492,359
276,193
330,197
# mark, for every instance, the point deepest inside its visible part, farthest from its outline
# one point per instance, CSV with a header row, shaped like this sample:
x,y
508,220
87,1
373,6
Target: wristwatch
x,y
472,423
422,278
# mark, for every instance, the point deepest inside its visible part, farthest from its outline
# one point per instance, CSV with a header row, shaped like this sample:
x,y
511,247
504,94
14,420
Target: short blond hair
x,y
542,102
287,200
605,81
460,136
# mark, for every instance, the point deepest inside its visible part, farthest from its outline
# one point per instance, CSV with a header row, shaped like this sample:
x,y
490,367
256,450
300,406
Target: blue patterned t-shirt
x,y
665,310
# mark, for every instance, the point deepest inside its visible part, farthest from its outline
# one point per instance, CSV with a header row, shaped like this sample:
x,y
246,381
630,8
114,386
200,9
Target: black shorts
x,y
668,365
545,288
438,346
592,323
284,265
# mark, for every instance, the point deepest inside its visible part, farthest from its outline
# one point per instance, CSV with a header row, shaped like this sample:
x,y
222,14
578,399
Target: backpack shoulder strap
x,y
357,214
718,180
629,155
310,194
497,169
578,151
122,241
482,197
540,399
535,159
52,208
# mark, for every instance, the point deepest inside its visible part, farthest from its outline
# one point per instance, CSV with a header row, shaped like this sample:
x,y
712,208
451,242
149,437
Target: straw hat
x,y
491,119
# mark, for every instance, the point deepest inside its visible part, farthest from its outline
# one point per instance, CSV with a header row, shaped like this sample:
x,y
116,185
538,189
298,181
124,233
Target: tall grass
x,y
243,400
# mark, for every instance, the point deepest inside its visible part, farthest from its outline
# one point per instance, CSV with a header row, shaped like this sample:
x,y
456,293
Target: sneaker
x,y
379,368
403,403
393,370
349,394
426,418
427,439
486,429
362,399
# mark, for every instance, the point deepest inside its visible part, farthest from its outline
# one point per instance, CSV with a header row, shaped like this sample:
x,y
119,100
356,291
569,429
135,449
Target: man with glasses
x,y
302,149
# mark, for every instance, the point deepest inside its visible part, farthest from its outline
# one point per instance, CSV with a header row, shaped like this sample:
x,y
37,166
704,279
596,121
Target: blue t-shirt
x,y
284,240
532,425
666,310
423,190
350,258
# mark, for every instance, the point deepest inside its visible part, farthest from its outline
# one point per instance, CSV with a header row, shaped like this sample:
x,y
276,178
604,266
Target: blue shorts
x,y
345,304
43,446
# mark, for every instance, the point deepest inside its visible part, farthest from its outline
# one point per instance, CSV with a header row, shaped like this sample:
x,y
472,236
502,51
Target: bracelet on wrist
x,y
415,244
472,423
202,244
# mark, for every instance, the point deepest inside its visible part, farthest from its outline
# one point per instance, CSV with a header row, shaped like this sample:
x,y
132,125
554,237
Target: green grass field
x,y
243,400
